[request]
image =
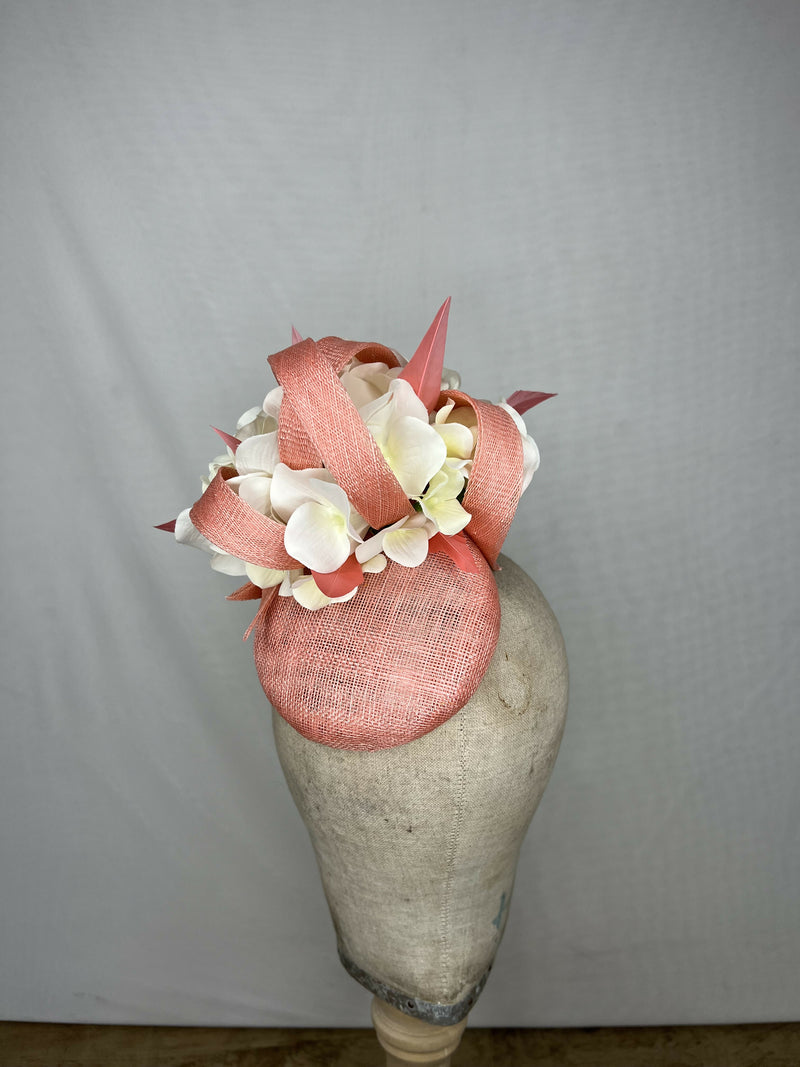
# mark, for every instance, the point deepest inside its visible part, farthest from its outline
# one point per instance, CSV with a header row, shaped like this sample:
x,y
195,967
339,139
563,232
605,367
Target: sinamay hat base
x,y
382,669
417,844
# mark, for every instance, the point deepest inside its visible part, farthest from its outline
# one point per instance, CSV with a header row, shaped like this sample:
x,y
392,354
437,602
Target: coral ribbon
x,y
231,524
495,483
296,448
331,423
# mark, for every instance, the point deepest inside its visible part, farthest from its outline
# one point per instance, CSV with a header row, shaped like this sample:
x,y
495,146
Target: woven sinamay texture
x,y
389,665
411,647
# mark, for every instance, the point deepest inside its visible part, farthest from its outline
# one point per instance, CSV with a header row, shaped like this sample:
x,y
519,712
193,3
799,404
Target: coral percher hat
x,y
367,506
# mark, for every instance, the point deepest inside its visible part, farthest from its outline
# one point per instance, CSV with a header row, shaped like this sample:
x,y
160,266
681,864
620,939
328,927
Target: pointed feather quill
x,y
232,442
248,591
523,400
423,372
454,546
341,581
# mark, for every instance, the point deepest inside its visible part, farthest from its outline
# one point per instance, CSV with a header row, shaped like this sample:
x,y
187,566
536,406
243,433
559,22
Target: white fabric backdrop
x,y
609,192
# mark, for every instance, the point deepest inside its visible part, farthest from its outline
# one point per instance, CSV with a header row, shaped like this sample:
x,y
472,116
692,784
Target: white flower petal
x,y
372,546
264,577
291,488
359,391
254,489
406,401
225,460
448,514
440,503
448,482
377,417
272,402
459,416
329,492
399,400
530,460
457,438
258,454
451,379
415,452
249,416
530,450
444,411
316,536
226,564
367,371
407,546
365,382
375,564
286,585
254,422
463,465
308,594
187,534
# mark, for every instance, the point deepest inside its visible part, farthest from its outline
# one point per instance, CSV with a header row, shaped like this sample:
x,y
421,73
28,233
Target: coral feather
x,y
523,400
423,372
232,442
342,581
454,546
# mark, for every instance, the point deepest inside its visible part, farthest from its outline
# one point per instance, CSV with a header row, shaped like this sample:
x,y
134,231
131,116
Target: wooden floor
x,y
58,1045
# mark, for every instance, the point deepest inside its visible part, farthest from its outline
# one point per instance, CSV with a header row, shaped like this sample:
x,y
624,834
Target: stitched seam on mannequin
x,y
455,836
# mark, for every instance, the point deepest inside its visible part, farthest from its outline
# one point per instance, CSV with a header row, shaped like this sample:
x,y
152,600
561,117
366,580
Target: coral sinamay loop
x,y
333,425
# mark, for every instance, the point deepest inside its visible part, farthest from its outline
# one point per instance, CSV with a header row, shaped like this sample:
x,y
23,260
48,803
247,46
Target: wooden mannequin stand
x,y
412,1041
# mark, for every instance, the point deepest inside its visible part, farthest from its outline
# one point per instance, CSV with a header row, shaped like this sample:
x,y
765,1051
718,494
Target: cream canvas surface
x,y
609,194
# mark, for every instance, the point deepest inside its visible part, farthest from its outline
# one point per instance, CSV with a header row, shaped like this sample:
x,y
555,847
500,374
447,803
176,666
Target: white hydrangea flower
x,y
458,429
398,420
440,502
255,461
322,527
405,542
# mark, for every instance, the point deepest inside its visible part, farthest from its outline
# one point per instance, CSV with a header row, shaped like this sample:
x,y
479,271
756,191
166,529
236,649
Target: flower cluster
x,y
430,453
